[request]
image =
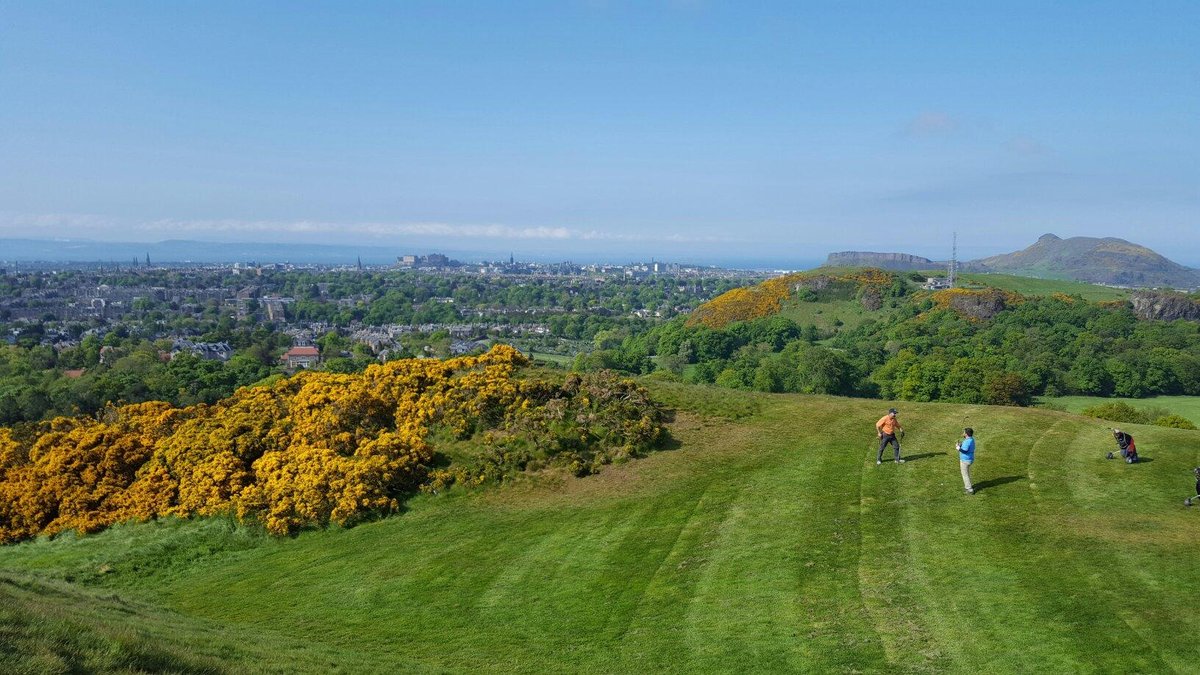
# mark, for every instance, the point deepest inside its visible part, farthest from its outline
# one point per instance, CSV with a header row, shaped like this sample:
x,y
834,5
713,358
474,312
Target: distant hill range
x,y
1099,261
888,261
1107,260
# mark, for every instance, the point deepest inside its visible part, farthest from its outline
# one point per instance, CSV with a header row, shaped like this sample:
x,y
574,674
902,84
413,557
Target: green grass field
x,y
1032,286
830,314
1185,406
560,359
765,540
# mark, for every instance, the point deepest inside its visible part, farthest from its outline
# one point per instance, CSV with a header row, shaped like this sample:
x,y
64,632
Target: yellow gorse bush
x,y
946,298
314,449
767,298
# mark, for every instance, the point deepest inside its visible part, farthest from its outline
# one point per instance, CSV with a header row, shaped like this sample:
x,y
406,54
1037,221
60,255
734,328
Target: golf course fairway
x,y
765,539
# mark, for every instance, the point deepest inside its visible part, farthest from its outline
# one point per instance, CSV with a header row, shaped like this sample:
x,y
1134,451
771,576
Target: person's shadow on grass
x,y
923,455
995,482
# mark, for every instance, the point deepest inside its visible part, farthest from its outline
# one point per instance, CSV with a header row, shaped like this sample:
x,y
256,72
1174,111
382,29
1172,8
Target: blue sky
x,y
680,130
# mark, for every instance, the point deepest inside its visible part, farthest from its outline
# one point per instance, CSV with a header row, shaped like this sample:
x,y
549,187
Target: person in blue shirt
x,y
966,457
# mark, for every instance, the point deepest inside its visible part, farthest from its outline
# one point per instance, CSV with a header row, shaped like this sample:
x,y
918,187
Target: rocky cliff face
x,y
887,261
1165,306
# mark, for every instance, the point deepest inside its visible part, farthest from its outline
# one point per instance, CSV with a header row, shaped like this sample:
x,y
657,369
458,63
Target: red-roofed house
x,y
302,357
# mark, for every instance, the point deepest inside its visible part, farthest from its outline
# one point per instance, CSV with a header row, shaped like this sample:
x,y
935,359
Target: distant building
x,y
434,260
302,357
209,351
274,307
463,347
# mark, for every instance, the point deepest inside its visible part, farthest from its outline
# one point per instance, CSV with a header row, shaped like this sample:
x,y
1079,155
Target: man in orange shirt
x,y
886,427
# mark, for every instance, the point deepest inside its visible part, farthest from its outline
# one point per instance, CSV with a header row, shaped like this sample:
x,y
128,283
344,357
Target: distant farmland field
x,y
1185,406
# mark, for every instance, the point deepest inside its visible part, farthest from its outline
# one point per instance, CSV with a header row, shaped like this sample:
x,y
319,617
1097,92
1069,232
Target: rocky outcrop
x,y
872,299
979,304
1165,306
887,261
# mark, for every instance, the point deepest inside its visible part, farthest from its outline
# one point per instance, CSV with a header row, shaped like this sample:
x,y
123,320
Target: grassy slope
x,y
767,542
50,626
1186,406
560,359
1032,286
825,315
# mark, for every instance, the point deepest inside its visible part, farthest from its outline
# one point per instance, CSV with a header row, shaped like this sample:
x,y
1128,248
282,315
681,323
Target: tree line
x,y
929,351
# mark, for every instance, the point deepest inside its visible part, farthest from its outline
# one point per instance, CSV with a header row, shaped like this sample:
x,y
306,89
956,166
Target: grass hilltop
x,y
766,540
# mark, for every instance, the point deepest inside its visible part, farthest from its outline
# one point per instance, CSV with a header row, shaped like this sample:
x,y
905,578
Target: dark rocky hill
x,y
1095,260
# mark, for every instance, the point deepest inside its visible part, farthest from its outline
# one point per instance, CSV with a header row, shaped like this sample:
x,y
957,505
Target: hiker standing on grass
x,y
966,457
886,427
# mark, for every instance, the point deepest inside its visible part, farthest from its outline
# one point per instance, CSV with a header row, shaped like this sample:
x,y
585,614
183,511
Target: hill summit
x,y
1106,260
887,261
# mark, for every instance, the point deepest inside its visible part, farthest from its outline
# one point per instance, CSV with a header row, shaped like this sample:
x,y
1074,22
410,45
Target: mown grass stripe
x,y
772,543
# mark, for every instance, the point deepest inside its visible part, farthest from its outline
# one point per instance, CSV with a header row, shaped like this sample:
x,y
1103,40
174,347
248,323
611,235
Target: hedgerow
x,y
311,450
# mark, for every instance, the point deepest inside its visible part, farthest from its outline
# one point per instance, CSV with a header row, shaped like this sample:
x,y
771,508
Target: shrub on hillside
x,y
1117,411
315,449
1120,411
1174,422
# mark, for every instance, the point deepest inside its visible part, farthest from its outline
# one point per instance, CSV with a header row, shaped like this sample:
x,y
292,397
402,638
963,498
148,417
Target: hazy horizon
x,y
682,129
84,251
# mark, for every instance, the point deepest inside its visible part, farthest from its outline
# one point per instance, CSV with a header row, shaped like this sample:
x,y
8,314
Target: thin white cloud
x,y
594,235
103,227
51,222
489,231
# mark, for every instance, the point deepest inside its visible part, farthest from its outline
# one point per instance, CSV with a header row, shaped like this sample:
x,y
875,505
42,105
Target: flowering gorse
x,y
767,298
314,449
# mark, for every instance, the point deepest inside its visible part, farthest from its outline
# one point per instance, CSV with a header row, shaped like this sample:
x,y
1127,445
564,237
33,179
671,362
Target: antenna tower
x,y
953,276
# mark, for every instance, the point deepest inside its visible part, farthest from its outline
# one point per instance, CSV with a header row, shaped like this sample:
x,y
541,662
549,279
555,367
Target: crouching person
x,y
1126,445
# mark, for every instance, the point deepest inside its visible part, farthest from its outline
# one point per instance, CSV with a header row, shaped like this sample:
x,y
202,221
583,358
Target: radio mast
x,y
953,275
